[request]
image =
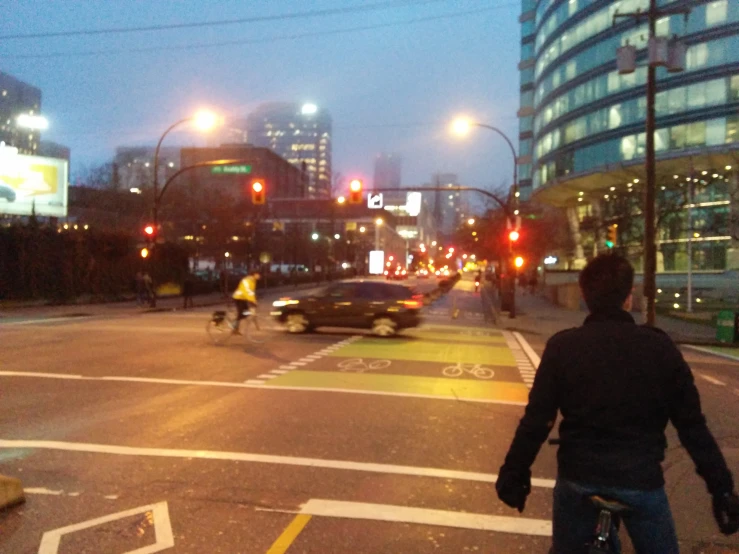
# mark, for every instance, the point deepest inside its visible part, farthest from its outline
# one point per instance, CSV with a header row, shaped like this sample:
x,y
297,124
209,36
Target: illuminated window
x,y
716,12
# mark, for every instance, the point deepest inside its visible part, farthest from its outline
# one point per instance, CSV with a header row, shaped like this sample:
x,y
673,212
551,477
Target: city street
x,y
132,432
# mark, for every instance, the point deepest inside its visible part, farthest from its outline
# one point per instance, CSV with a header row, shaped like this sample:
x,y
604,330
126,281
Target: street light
x,y
341,200
362,229
314,236
471,221
462,126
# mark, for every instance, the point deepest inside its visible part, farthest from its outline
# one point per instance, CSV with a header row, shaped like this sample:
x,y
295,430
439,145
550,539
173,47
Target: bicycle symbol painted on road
x,y
360,366
473,369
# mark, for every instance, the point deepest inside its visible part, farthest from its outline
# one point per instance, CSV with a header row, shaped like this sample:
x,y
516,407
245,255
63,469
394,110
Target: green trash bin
x,y
727,326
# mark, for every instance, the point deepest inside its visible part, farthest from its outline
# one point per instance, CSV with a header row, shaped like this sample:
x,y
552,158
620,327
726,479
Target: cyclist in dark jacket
x,y
616,384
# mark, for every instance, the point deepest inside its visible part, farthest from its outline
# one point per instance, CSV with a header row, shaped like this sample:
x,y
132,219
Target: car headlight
x,y
282,303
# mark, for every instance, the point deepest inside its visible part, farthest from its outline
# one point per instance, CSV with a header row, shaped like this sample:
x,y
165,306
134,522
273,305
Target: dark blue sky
x,y
391,88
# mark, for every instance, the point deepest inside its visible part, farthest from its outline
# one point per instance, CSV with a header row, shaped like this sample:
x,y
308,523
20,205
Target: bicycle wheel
x,y
379,364
254,331
483,373
219,329
352,364
452,371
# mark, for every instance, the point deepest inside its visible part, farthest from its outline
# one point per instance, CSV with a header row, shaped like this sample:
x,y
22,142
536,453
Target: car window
x,y
372,291
341,290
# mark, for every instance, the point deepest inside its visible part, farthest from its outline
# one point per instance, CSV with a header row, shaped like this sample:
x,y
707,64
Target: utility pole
x,y
659,52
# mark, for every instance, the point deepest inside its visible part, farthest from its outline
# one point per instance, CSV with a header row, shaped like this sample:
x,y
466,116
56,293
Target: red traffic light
x,y
355,191
513,236
149,230
258,190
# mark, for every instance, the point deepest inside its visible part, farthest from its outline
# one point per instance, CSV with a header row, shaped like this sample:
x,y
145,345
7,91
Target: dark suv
x,y
383,307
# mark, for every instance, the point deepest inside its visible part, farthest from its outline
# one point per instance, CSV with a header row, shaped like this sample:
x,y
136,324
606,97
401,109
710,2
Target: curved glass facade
x,y
583,122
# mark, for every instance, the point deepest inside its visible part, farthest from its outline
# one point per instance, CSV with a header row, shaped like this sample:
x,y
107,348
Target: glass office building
x,y
582,139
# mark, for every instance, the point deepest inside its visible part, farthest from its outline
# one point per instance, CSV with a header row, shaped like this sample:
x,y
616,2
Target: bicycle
x,y
360,366
221,325
473,369
609,520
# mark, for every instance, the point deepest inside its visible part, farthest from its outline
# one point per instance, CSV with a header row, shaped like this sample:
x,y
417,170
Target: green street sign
x,y
230,169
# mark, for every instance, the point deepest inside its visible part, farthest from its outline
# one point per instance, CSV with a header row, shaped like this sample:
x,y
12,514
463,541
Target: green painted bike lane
x,y
437,347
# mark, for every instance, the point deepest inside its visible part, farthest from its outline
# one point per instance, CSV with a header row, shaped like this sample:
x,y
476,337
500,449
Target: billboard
x,y
32,183
376,262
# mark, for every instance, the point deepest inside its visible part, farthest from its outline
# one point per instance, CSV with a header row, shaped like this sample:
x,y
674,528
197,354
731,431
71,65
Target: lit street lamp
x,y
471,221
204,121
462,127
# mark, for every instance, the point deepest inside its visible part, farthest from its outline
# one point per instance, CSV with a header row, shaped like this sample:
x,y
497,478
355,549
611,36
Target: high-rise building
x,y
301,134
18,99
450,207
135,165
387,171
582,126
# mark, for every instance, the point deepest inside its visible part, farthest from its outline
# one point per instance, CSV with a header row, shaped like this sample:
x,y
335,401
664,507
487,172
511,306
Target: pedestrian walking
x,y
141,296
187,291
616,385
149,288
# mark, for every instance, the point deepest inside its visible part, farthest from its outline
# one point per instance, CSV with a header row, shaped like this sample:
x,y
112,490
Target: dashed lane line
x,y
710,379
368,467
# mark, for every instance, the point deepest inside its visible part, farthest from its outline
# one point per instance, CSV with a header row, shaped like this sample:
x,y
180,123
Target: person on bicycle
x,y
245,297
616,384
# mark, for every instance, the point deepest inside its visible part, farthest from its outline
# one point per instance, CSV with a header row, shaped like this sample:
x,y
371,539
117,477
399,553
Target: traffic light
x,y
612,237
355,191
518,262
258,190
513,236
144,252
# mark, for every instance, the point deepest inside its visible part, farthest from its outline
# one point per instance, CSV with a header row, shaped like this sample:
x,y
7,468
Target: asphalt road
x,y
133,433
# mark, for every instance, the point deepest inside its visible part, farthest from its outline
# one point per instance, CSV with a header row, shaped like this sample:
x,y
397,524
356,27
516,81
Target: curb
x,y
712,352
11,492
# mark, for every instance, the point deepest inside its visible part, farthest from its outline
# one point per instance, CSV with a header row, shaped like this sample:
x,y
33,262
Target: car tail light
x,y
412,304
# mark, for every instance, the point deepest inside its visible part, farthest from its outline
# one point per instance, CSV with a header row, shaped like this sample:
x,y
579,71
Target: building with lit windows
x,y
16,99
301,134
135,166
582,139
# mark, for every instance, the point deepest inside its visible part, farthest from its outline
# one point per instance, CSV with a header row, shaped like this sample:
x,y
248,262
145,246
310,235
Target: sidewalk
x,y
163,304
537,315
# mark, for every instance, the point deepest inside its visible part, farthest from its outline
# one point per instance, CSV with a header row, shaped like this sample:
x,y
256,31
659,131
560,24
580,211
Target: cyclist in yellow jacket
x,y
245,297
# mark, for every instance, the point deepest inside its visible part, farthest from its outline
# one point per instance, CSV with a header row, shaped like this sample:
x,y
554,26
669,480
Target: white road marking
x,y
47,375
42,490
425,516
313,357
162,529
299,363
266,376
711,379
48,320
264,458
533,356
288,367
280,371
257,384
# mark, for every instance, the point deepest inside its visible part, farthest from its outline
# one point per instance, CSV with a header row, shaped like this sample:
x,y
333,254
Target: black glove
x,y
513,487
726,512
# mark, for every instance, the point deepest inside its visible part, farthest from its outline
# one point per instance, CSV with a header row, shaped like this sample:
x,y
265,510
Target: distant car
x,y
422,274
7,192
398,274
383,307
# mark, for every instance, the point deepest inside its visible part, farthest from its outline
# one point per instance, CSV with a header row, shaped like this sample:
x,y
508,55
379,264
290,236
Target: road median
x,y
11,492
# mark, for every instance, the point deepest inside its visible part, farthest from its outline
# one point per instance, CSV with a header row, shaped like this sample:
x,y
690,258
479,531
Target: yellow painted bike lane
x,y
435,361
